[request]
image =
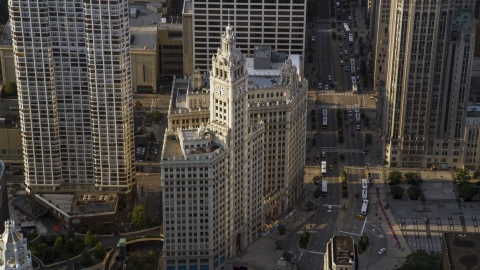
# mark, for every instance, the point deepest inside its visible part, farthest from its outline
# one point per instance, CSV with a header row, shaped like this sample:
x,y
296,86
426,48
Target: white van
x,y
341,62
364,194
338,4
364,183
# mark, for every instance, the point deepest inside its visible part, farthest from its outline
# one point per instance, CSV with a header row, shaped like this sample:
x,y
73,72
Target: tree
x,y
49,256
138,105
412,178
421,260
342,157
88,239
70,245
317,193
394,177
150,257
368,138
287,256
466,191
100,251
334,35
463,176
58,247
476,174
309,206
397,191
139,219
156,116
10,88
85,258
414,192
281,229
363,64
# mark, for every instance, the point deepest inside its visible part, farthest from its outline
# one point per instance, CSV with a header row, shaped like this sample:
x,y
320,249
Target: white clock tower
x,y
243,179
228,84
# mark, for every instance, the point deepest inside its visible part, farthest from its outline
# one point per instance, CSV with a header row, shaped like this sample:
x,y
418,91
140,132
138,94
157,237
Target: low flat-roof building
x,y
460,251
340,254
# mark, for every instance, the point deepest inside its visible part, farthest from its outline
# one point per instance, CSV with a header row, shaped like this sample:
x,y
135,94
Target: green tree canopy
x,y
397,191
463,176
100,251
88,238
466,191
412,178
156,116
138,105
476,174
10,88
70,245
414,192
394,177
86,259
139,218
421,260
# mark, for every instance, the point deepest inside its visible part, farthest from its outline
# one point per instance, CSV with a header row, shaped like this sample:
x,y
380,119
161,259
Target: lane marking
x,y
361,233
351,233
321,253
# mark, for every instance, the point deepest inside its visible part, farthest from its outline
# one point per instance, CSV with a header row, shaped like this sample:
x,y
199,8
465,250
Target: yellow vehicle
x,y
346,57
343,10
351,121
360,217
330,168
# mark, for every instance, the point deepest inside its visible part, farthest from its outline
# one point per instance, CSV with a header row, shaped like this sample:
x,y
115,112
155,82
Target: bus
x,y
356,108
347,29
352,62
350,39
324,122
364,207
354,88
324,169
352,70
364,183
324,187
324,113
354,80
357,120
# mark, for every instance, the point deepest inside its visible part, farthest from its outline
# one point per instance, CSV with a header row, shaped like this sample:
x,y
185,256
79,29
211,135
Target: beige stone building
x,y
272,115
427,80
340,254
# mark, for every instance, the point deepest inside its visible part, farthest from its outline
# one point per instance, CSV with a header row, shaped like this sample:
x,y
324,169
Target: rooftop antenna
x,y
229,18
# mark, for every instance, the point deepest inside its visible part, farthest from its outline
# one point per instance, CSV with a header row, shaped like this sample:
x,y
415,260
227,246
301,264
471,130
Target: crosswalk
x,y
335,106
337,150
329,21
337,94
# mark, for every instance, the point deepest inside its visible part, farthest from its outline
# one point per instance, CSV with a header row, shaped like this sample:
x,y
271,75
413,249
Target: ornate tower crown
x,y
228,55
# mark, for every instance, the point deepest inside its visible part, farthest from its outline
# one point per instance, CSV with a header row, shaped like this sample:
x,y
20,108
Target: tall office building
x,y
72,63
276,23
430,53
225,167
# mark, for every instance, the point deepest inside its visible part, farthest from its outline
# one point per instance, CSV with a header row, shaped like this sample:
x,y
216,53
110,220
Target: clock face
x,y
240,89
220,91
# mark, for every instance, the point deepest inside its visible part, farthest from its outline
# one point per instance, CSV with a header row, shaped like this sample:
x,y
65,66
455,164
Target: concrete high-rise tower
x,y
428,66
280,24
72,64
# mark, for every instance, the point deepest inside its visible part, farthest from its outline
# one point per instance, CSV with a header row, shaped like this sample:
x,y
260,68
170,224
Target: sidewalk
x,y
397,246
262,253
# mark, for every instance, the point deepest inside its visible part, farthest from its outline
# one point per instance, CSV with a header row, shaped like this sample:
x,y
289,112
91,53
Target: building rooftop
x,y
463,250
190,144
81,203
187,6
144,16
6,38
144,37
343,250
